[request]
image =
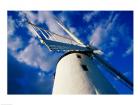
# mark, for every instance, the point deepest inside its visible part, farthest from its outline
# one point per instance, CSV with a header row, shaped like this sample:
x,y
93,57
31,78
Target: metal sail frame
x,y
55,42
55,45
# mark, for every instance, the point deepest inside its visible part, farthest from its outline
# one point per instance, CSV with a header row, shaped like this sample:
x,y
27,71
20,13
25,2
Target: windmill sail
x,y
69,33
58,46
57,42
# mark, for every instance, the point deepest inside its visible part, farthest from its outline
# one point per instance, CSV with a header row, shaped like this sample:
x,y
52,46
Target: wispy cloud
x,y
11,26
34,55
51,22
101,33
28,15
14,43
88,17
109,34
98,35
129,50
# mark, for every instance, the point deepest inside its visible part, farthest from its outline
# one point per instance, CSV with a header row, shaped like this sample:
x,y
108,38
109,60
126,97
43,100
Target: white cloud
x,y
101,32
90,15
97,36
51,23
11,26
63,17
14,43
113,41
28,15
34,55
129,50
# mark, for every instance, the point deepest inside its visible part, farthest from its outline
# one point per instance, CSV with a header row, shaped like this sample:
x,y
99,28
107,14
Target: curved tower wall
x,y
76,73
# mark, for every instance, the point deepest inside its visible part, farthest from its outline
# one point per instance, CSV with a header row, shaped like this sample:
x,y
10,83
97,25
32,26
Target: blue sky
x,y
31,66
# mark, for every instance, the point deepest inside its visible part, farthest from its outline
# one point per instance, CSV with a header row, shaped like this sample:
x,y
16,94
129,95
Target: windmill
x,y
76,72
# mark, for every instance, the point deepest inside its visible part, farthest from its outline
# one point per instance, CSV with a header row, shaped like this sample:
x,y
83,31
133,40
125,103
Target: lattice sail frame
x,y
55,42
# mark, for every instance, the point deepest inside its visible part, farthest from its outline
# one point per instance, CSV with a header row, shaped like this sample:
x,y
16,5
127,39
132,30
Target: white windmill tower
x,y
76,71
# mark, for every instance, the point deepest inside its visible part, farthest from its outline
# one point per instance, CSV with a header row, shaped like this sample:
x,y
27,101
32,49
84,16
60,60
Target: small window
x,y
79,56
54,76
84,67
